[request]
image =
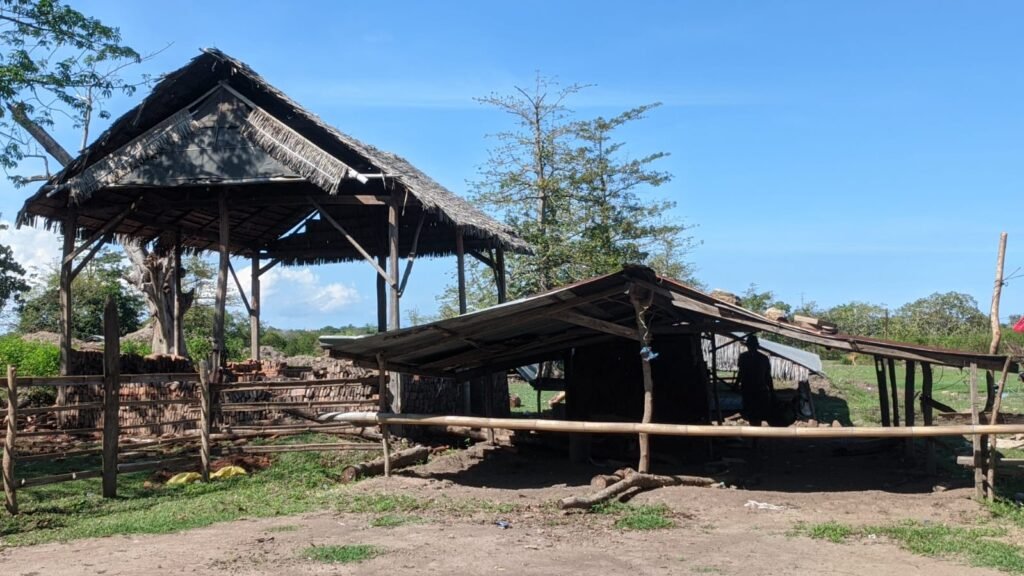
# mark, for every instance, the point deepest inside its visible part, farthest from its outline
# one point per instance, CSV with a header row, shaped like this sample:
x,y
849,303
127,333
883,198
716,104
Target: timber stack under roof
x,y
216,126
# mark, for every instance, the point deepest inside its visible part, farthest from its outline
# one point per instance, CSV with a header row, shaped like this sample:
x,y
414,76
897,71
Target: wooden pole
x,y
895,392
640,304
393,312
993,455
883,392
111,396
385,435
460,258
997,333
220,303
205,419
502,284
382,295
254,310
695,430
908,405
714,377
979,464
179,344
926,414
66,267
10,494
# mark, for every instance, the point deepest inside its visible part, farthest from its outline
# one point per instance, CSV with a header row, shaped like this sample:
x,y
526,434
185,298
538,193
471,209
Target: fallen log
x,y
632,480
399,459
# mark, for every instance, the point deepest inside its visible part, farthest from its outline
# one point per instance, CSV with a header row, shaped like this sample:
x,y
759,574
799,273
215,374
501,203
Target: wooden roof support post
x,y
66,268
219,354
908,405
382,395
883,392
500,262
895,392
997,333
714,377
926,414
393,312
254,310
178,345
460,259
111,396
641,299
979,458
993,456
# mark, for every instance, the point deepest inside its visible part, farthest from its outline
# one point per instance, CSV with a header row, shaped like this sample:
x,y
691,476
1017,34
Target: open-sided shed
x,y
216,158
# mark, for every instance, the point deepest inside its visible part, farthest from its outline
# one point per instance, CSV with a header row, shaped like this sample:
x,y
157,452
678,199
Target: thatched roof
x,y
216,125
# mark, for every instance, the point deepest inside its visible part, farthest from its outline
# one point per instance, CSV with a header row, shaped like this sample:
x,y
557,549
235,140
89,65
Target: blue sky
x,y
826,151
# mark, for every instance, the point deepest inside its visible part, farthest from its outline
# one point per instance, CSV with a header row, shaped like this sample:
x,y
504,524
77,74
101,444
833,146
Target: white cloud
x,y
36,249
299,291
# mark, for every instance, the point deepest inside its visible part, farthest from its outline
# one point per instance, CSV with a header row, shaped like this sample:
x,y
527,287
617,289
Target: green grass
x,y
346,554
528,396
295,483
979,546
643,517
393,520
283,528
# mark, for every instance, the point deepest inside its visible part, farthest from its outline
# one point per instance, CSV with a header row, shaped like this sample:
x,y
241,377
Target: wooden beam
x,y
393,310
895,390
268,266
599,325
460,262
993,454
70,229
926,414
179,343
411,258
979,458
238,285
86,259
482,259
500,267
351,240
110,225
883,392
641,300
111,396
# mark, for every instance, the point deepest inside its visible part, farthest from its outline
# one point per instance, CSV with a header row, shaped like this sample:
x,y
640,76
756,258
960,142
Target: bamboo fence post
x,y
993,456
205,419
926,414
883,392
640,304
10,495
979,472
111,396
385,435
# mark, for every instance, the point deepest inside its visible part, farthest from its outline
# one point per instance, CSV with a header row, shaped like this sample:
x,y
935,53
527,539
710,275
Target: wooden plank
x,y
599,325
254,309
500,267
111,396
238,285
411,258
351,240
110,225
60,455
883,392
275,405
381,409
460,261
58,478
347,446
220,299
393,310
895,389
10,442
178,344
926,414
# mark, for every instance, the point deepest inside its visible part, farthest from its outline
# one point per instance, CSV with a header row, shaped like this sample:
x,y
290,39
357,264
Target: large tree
x,y
57,63
567,186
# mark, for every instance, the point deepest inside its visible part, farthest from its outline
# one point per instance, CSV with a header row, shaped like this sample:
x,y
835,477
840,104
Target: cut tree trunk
x,y
153,275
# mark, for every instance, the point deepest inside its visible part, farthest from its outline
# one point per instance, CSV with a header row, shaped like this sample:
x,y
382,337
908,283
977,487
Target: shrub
x,y
30,358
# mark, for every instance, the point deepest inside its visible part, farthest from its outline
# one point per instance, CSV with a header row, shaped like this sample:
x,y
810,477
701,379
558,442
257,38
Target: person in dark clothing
x,y
755,380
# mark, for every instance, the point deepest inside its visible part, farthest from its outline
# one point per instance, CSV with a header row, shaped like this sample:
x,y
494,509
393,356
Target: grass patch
x,y
297,482
644,517
979,546
346,554
380,504
393,520
283,528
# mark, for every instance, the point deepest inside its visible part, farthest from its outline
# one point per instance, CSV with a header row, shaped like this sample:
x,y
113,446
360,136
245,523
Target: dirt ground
x,y
715,531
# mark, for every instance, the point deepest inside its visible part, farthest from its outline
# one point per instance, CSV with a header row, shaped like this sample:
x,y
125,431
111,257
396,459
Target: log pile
x,y
626,483
400,459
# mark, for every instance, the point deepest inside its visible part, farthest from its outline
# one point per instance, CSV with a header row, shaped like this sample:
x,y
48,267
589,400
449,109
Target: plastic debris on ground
x,y
755,505
229,472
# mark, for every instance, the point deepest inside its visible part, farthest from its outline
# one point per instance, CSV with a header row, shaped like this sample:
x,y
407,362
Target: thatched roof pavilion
x,y
215,158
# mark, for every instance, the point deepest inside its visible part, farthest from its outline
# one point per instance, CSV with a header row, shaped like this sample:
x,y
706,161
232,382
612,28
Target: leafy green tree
x,y
12,277
759,301
939,315
858,318
102,277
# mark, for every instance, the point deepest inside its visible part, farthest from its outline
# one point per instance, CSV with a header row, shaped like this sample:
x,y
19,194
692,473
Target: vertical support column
x,y
460,258
178,343
883,391
926,414
502,284
385,434
66,266
641,301
219,354
993,454
714,377
111,396
908,405
10,495
393,312
382,295
254,309
979,458
997,332
895,392
205,419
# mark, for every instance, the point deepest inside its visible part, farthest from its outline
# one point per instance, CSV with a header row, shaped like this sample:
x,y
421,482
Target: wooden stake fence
x,y
10,497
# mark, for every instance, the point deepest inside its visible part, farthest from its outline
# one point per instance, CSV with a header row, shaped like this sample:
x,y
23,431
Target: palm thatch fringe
x,y
291,149
127,158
